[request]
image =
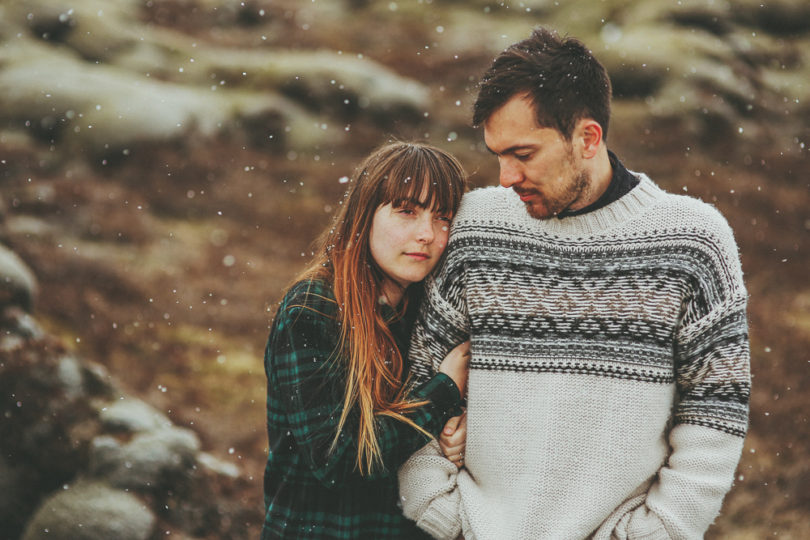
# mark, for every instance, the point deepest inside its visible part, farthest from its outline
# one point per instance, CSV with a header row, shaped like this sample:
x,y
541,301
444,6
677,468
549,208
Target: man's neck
x,y
620,183
601,175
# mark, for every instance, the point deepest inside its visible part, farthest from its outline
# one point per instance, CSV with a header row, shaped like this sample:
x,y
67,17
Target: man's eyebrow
x,y
512,149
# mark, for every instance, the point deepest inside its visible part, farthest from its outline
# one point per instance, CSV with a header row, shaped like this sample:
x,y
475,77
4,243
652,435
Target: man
x,y
609,381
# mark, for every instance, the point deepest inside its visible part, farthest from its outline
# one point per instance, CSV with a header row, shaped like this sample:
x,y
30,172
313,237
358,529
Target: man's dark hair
x,y
563,80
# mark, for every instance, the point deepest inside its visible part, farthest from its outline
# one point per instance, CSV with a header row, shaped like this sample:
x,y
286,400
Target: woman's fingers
x,y
454,444
455,365
450,451
451,425
457,459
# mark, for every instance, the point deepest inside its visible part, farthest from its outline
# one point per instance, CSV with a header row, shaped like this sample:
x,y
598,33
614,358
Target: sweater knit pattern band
x,y
610,365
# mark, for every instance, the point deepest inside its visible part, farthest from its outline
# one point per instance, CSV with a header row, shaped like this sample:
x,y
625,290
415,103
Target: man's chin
x,y
537,212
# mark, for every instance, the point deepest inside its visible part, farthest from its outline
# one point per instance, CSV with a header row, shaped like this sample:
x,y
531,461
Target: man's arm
x,y
711,420
429,494
427,480
441,325
711,413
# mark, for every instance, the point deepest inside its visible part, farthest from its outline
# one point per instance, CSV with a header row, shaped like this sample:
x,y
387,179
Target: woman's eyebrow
x,y
413,202
435,207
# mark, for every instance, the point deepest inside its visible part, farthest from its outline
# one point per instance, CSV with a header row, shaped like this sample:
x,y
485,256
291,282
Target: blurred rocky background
x,y
166,164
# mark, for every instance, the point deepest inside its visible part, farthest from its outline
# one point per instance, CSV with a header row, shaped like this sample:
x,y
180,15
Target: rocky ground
x,y
166,164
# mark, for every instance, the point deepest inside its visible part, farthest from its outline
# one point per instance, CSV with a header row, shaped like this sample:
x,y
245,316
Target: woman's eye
x,y
405,211
447,219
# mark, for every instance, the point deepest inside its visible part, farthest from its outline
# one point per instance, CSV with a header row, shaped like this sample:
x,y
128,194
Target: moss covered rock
x,y
91,511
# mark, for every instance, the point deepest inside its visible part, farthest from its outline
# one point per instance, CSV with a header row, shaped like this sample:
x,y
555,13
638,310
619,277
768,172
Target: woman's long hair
x,y
394,173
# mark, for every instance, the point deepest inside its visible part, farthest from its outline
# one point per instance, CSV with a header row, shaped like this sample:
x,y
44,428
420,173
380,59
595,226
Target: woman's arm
x,y
310,382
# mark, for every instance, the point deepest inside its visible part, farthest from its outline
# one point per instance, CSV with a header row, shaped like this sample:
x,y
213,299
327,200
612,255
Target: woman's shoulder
x,y
311,294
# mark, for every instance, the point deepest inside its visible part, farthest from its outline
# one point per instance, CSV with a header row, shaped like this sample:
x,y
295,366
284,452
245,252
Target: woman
x,y
341,417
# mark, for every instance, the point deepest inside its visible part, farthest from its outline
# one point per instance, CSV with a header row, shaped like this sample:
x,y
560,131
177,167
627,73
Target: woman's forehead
x,y
421,185
425,197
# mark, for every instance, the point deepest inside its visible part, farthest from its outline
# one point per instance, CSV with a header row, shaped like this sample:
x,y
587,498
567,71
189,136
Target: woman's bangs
x,y
423,181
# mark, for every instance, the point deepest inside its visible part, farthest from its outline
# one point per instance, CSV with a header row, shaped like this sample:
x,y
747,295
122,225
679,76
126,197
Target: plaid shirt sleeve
x,y
308,378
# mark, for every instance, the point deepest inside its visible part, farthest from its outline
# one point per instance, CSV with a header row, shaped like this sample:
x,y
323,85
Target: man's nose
x,y
510,174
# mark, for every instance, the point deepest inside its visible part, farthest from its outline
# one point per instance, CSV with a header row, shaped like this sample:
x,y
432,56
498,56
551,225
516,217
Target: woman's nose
x,y
425,233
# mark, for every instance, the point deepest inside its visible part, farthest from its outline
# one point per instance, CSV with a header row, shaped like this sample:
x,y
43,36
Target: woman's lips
x,y
418,256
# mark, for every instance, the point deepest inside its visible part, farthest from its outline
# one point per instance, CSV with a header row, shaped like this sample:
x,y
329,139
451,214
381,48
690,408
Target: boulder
x,y
732,73
87,106
149,462
18,286
88,75
723,71
19,327
91,511
132,415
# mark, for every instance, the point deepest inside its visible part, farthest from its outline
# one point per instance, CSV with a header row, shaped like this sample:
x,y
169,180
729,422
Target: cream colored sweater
x,y
609,383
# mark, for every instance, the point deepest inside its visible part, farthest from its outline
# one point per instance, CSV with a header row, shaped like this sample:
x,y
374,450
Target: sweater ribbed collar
x,y
621,182
602,220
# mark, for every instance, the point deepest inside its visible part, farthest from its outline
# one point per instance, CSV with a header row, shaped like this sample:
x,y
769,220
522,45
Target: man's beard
x,y
561,203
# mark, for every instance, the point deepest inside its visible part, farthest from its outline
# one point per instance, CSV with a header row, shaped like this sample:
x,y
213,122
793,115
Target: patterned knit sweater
x,y
609,383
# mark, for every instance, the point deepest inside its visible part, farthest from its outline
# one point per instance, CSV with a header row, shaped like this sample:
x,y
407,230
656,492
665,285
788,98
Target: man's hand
x,y
453,440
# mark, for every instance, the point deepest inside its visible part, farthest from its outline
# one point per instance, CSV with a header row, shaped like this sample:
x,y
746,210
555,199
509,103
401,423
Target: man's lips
x,y
525,195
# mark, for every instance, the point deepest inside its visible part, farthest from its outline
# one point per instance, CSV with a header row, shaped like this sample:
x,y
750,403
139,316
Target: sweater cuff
x,y
441,519
442,392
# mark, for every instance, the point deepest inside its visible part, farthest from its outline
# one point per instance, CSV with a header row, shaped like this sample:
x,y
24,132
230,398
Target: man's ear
x,y
590,133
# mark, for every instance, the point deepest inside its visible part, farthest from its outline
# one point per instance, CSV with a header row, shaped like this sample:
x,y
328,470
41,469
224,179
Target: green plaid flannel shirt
x,y
309,491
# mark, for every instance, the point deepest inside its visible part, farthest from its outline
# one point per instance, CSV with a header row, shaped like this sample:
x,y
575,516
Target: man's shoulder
x,y
693,212
686,215
486,203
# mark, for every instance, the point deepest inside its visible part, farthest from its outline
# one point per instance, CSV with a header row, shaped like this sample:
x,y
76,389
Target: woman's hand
x,y
456,364
453,440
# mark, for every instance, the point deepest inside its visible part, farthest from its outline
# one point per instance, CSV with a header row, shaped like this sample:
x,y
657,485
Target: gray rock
x,y
110,105
9,342
98,380
69,373
148,462
322,80
22,324
91,511
88,75
132,415
18,286
17,327
93,106
31,226
217,466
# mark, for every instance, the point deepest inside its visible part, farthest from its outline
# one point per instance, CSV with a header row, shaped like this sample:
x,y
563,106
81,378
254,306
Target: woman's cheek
x,y
442,237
